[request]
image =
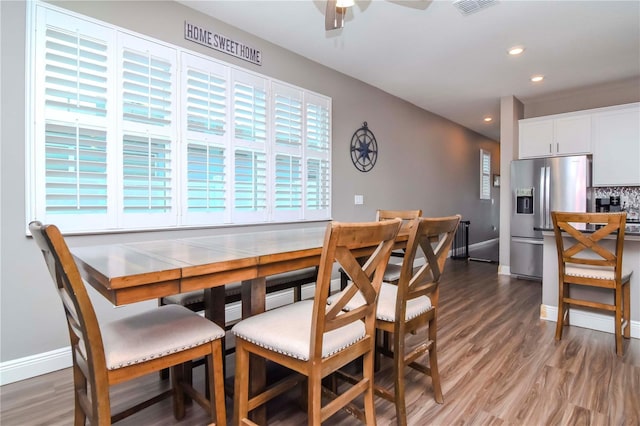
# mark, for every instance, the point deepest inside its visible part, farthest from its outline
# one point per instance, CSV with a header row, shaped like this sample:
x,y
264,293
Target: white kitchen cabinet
x,y
616,147
562,134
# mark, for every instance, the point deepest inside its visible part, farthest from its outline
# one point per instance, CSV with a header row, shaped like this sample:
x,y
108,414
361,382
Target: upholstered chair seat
x,y
387,304
154,334
287,330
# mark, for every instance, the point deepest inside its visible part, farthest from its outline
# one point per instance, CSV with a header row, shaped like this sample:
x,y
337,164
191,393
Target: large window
x,y
132,133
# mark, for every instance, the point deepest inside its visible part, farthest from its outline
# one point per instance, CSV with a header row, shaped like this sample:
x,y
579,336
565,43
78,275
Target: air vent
x,y
467,7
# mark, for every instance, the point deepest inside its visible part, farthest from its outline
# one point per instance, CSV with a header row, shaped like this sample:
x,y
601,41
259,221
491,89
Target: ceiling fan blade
x,y
334,16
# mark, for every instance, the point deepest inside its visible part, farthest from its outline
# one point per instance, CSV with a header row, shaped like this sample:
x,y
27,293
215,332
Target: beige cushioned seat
x,y
287,330
589,271
155,333
386,310
185,299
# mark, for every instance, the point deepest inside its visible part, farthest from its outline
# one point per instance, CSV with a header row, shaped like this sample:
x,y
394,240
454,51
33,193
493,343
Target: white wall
x,y
424,162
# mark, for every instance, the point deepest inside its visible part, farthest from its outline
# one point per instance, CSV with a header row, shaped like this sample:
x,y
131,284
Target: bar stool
x,y
584,261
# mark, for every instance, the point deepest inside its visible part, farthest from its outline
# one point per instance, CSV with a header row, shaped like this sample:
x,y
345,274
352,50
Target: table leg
x,y
214,308
253,293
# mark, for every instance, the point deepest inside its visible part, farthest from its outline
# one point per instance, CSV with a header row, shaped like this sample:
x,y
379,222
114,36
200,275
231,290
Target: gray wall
x,y
425,162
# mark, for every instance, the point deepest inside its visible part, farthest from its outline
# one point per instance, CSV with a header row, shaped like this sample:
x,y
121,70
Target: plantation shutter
x,y
127,132
249,107
318,150
287,113
485,175
149,132
73,94
205,97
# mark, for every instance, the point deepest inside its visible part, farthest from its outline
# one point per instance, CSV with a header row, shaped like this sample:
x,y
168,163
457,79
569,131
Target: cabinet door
x,y
572,135
616,156
536,138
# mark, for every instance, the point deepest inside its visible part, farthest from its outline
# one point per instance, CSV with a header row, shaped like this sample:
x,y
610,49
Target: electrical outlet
x,y
358,200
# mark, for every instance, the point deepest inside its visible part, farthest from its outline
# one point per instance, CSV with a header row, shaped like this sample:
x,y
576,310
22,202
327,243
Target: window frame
x,y
179,214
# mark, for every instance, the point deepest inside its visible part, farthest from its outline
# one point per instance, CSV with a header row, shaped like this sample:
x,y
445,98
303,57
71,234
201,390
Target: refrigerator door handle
x,y
547,212
540,196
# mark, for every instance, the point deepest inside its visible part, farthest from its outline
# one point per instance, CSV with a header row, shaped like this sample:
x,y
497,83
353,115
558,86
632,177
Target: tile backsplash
x,y
629,198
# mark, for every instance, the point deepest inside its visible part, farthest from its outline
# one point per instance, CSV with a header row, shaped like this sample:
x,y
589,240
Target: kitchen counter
x,y
631,231
585,318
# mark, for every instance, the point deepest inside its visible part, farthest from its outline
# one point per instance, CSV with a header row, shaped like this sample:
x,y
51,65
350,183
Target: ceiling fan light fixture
x,y
345,3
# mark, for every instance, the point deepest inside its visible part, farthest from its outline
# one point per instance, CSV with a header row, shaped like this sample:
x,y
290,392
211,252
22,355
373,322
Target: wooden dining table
x,y
132,272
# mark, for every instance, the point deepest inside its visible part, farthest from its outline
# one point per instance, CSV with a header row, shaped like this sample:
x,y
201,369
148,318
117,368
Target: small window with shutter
x,y
485,175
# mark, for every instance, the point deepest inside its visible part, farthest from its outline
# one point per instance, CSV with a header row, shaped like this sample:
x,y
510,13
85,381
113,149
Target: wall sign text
x,y
221,43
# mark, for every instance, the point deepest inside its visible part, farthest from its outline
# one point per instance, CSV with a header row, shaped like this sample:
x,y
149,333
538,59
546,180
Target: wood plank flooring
x,y
499,365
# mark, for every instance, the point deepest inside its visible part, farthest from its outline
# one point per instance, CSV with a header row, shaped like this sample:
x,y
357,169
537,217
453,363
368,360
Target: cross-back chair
x,y
392,273
110,353
314,339
586,258
406,307
413,303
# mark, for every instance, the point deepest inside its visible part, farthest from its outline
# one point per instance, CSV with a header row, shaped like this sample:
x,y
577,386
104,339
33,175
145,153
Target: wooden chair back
x,y
433,238
344,244
405,215
89,365
581,249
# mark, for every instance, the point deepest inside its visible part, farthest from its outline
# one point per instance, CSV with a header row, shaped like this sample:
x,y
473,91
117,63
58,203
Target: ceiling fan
x,y
334,15
336,10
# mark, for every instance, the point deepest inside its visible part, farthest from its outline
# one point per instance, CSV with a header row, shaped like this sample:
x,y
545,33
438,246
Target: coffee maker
x,y
602,205
614,203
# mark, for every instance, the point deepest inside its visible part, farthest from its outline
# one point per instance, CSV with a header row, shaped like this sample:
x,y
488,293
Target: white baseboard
x,y
504,270
34,365
592,320
58,359
483,243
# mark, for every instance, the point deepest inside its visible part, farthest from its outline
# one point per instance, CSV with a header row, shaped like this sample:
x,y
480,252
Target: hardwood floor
x,y
499,364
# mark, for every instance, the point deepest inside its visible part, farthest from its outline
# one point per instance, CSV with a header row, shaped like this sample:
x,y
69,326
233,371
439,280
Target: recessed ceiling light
x,y
488,119
516,50
537,78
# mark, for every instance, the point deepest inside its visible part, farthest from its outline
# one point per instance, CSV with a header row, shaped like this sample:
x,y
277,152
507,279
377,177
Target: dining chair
x,y
113,352
392,273
587,258
314,339
409,306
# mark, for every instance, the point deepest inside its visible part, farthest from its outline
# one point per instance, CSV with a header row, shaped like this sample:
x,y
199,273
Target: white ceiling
x,y
456,66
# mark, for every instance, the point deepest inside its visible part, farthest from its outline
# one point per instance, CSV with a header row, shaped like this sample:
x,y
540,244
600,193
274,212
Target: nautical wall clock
x,y
364,149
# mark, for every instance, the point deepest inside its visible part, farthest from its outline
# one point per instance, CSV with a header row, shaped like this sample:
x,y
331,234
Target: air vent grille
x,y
467,7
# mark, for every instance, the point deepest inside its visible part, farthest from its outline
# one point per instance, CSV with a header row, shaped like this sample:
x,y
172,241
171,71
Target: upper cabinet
x,y
562,134
611,134
616,146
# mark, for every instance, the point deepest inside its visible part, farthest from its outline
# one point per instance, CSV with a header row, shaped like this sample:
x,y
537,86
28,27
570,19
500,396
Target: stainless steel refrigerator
x,y
538,187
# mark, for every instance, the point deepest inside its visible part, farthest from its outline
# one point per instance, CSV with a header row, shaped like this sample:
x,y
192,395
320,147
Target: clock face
x,y
364,149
